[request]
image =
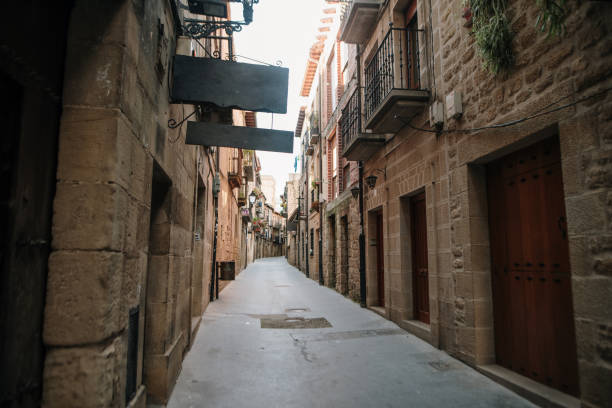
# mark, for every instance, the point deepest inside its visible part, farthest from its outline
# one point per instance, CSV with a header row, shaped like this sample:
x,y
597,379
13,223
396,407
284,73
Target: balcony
x,y
314,130
234,173
357,144
309,148
314,206
359,19
314,137
242,198
392,82
245,213
247,165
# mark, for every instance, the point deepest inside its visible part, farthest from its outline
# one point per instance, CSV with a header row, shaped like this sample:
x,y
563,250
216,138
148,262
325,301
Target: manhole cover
x,y
297,309
282,286
295,323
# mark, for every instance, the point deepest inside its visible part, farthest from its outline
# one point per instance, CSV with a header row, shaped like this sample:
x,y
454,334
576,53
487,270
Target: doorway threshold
x,y
379,310
417,328
529,389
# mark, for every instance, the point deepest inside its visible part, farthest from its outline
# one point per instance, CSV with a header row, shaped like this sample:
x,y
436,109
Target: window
x,y
412,65
311,242
335,159
343,55
333,69
346,177
334,189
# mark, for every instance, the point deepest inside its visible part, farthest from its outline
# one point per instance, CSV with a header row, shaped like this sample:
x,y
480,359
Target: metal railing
x,y
235,163
314,123
350,121
395,65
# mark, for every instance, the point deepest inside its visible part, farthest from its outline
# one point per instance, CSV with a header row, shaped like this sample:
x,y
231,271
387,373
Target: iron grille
x,y
350,122
385,73
132,354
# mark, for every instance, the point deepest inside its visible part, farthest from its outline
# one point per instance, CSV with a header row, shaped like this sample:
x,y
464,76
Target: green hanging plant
x,y
494,41
493,34
552,17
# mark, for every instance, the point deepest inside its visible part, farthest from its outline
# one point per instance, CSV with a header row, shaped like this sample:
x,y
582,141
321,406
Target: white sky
x,y
281,30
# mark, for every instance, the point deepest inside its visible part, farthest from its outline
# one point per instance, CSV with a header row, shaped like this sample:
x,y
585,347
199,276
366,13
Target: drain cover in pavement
x,y
295,323
297,309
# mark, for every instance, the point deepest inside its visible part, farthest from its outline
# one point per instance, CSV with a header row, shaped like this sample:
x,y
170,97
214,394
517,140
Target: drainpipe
x,y
307,230
362,272
321,280
298,241
214,287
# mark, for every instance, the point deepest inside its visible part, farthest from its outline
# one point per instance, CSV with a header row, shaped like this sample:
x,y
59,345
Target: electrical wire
x,y
538,113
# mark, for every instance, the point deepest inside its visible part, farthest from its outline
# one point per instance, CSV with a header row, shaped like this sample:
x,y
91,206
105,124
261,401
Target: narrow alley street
x,y
363,360
306,203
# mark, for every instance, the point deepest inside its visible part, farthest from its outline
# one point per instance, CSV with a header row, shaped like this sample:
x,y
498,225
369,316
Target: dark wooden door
x,y
380,262
532,299
411,47
420,272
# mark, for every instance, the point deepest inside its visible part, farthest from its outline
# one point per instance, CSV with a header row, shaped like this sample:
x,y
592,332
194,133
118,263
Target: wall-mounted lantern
x,y
371,181
355,191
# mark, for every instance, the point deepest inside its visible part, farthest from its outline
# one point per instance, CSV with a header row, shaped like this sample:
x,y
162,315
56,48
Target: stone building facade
x,y
292,191
441,258
108,217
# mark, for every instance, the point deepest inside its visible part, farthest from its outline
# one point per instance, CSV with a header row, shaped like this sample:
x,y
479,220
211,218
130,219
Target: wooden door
x,y
411,47
380,263
532,299
420,272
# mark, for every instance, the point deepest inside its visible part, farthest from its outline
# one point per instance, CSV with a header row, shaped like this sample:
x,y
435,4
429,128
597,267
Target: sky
x,y
281,30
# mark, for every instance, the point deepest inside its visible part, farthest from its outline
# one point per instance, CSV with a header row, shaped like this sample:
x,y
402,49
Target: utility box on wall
x,y
454,106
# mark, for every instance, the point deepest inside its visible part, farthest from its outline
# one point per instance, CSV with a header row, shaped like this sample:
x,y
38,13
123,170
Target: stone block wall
x,y
313,260
449,169
112,248
549,72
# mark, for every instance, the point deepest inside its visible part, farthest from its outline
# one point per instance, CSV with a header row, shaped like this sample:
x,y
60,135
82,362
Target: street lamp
x,y
252,198
371,181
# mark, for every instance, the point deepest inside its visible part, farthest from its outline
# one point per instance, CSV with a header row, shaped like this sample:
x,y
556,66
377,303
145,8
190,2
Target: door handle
x,y
560,224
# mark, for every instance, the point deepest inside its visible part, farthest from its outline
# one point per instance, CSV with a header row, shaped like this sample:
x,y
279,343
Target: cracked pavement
x,y
363,360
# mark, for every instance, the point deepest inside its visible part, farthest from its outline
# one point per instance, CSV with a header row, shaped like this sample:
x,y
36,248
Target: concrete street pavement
x,y
363,360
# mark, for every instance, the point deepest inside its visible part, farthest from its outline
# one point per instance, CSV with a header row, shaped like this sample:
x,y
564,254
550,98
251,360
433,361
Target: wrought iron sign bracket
x,y
203,28
173,124
199,29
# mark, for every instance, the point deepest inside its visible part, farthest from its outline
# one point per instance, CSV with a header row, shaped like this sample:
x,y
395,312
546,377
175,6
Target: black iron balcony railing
x,y
394,66
308,144
350,121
